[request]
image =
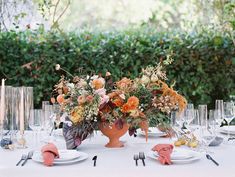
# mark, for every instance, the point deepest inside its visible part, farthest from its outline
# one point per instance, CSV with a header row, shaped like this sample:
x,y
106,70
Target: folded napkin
x,y
49,153
164,152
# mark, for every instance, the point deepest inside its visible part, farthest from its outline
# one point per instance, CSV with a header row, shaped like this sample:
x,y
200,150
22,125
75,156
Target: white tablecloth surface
x,y
119,162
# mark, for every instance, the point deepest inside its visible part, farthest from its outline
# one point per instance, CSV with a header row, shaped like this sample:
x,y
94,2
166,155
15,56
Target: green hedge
x,y
203,66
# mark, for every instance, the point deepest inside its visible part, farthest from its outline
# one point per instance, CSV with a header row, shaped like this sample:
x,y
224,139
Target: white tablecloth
x,y
119,162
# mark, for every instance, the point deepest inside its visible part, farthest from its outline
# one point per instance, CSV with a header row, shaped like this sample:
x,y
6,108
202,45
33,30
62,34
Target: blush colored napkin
x,y
164,152
49,153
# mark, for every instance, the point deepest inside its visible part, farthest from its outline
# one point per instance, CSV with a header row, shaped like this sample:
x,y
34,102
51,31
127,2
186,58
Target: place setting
x,y
49,155
177,156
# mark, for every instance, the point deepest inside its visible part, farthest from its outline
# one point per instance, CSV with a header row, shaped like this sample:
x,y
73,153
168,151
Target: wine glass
x,y
228,114
189,116
195,124
228,111
177,121
35,123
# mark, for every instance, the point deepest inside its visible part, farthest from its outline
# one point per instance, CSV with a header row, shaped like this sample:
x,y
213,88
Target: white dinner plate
x,y
152,132
67,155
195,157
179,154
228,129
71,156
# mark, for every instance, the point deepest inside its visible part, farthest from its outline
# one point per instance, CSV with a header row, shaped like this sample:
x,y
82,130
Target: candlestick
x,y
22,111
2,107
2,104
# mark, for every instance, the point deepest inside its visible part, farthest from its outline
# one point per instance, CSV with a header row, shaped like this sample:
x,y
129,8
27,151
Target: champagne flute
x,y
206,135
219,105
44,104
213,120
48,121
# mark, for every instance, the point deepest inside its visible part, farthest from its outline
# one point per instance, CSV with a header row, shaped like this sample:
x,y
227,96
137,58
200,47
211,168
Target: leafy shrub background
x,y
203,66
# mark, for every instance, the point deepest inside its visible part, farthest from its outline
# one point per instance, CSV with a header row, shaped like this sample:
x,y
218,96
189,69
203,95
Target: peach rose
x,y
98,83
89,98
81,99
124,84
60,99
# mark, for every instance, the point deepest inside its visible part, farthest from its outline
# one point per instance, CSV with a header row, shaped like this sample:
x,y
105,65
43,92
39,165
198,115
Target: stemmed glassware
x,y
44,104
177,121
219,105
228,114
49,122
36,123
206,134
213,121
195,124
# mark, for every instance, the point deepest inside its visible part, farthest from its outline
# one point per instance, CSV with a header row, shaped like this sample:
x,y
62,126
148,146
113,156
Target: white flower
x,y
70,85
154,78
145,80
122,96
94,77
57,67
101,92
82,83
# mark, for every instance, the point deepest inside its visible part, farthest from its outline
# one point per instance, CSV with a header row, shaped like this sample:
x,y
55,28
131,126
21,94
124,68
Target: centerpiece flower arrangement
x,y
157,99
89,102
92,102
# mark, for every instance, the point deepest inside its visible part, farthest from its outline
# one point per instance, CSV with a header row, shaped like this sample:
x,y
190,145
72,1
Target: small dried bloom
x,y
57,67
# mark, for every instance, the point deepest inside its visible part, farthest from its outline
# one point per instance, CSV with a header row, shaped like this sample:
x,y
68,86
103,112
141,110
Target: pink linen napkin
x,y
164,152
49,153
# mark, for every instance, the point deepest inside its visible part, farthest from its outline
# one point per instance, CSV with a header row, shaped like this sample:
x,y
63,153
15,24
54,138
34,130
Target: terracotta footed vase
x,y
113,133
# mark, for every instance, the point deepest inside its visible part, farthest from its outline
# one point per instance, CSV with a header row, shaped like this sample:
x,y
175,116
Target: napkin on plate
x,y
164,152
49,153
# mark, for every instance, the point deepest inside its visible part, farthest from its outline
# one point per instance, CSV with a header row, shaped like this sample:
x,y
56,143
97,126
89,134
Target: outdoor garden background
x,y
120,36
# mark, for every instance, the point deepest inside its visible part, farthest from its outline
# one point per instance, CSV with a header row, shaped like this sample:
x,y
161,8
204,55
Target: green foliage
x,y
203,66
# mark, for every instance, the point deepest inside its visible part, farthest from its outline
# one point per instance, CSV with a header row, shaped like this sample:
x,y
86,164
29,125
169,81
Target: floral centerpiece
x,y
157,99
79,100
91,102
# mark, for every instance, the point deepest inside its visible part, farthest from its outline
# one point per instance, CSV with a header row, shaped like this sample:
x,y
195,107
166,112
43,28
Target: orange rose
x,y
118,102
133,102
98,83
125,108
